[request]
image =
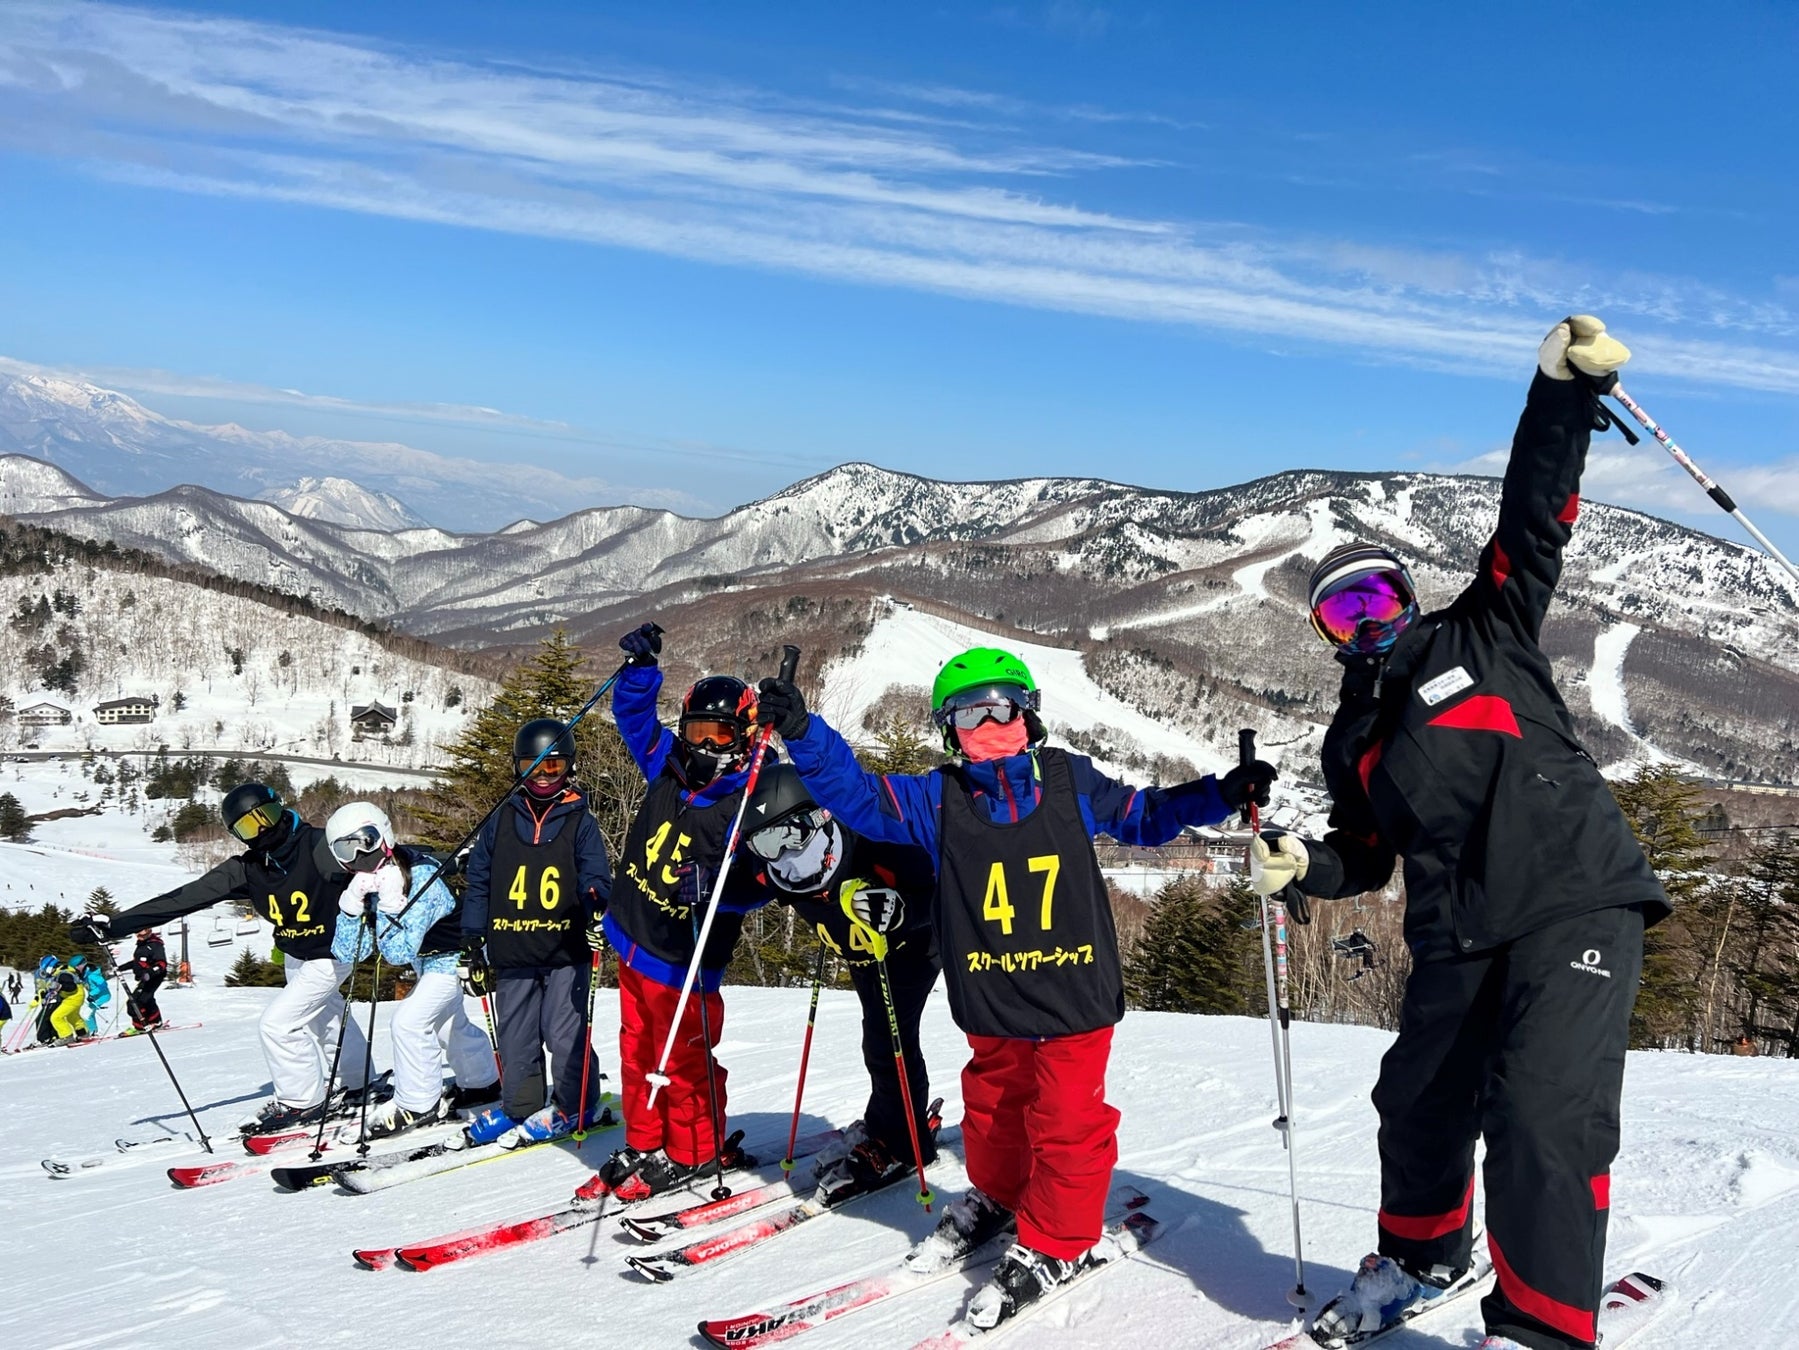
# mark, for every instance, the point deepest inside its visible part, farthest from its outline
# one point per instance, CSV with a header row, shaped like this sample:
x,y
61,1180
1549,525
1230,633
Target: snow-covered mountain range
x,y
115,443
1671,643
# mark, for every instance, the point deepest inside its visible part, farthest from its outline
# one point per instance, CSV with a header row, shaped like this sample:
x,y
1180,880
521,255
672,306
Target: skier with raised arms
x,y
430,1023
287,875
1526,897
1030,954
696,775
538,881
804,857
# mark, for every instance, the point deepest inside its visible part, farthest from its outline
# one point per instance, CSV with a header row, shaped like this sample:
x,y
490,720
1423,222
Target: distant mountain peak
x,y
343,502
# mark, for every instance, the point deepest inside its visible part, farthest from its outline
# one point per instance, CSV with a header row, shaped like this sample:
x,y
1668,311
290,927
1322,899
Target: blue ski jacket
x,y
634,710
905,808
401,938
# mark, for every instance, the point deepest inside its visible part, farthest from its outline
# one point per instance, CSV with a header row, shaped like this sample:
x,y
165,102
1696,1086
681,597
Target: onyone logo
x,y
1589,962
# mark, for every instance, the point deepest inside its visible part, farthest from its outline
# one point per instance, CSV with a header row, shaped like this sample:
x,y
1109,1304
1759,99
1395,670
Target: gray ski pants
x,y
543,1007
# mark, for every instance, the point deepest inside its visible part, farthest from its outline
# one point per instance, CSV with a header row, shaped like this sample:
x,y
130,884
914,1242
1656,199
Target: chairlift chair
x,y
246,925
221,934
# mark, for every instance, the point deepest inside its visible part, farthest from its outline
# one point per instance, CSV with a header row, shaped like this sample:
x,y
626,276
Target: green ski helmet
x,y
984,672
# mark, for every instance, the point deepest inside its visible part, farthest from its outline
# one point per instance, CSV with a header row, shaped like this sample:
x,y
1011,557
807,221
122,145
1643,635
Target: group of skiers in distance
x,y
1451,749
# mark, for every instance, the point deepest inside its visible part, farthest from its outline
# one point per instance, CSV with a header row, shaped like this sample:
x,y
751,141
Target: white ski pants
x,y
299,1033
429,1025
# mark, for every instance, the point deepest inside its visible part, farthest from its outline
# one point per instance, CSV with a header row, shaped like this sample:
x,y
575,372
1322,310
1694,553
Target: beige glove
x,y
1276,861
1580,344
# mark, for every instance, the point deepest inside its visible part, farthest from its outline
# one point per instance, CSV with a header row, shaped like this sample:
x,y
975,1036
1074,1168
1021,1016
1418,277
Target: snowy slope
x,y
1709,1159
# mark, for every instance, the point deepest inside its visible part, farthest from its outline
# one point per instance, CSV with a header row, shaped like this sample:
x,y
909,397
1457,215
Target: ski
x,y
1132,1233
787,1320
211,1174
495,1237
1471,1282
62,1167
1629,1304
656,1227
96,1040
441,1155
342,1107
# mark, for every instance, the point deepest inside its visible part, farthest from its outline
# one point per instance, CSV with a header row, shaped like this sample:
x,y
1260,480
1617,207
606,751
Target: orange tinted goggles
x,y
550,766
722,735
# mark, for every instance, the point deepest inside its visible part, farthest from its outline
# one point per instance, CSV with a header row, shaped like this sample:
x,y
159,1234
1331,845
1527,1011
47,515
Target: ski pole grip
x,y
1246,754
790,663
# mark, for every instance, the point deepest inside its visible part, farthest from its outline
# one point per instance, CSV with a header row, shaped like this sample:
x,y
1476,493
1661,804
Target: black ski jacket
x,y
1456,751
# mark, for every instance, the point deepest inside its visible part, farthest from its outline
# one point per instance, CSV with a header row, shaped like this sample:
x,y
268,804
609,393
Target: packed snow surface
x,y
116,1257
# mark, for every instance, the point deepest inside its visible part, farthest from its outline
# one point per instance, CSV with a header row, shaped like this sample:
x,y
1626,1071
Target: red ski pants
x,y
680,1122
1040,1136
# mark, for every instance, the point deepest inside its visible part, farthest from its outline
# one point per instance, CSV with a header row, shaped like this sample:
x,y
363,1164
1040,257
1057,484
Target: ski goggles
x,y
784,836
550,766
349,847
254,822
1365,612
991,703
709,734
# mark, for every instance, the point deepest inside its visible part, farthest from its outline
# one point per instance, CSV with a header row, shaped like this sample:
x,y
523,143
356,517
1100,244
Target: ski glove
x,y
783,707
1247,783
642,644
1579,345
880,908
1276,860
596,931
91,929
472,968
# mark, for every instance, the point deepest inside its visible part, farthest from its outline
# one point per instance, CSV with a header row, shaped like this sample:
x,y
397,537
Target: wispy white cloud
x,y
1643,477
974,208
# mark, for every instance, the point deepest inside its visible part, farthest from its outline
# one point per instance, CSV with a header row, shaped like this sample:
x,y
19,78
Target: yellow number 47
x,y
996,905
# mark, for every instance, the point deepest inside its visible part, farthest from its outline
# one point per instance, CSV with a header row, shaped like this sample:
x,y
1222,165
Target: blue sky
x,y
699,251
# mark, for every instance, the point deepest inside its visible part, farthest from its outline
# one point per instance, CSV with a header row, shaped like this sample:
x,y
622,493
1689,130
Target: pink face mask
x,y
995,740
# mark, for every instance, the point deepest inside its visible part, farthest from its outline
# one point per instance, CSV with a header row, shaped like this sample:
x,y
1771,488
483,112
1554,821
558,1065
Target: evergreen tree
x,y
551,683
900,749
252,972
1765,944
1196,955
1665,812
14,825
100,901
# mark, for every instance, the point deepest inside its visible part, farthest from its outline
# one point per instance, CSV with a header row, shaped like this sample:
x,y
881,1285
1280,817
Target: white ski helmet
x,y
361,836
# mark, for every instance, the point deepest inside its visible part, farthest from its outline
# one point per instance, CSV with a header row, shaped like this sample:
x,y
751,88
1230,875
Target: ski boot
x,y
551,1123
657,1173
277,1115
969,1222
839,1148
613,1173
390,1118
1025,1275
490,1125
1383,1293
380,1088
470,1098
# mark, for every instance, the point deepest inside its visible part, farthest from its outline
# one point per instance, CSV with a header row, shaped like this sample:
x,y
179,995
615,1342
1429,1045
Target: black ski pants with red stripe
x,y
1522,1045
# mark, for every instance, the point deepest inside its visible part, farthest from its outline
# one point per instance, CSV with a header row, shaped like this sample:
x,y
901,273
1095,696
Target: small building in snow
x,y
371,721
119,710
45,714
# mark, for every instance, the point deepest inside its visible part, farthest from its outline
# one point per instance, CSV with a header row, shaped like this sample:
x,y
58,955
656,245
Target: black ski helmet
x,y
714,730
255,815
546,737
780,793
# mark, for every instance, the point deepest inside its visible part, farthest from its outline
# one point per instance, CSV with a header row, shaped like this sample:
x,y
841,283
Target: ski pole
x,y
493,1036
205,1143
518,778
1712,488
1274,935
799,1091
877,943
593,985
368,1060
720,1191
658,1080
343,1024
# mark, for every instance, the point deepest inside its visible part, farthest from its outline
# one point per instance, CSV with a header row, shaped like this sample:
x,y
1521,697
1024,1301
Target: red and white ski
x,y
787,1320
479,1241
